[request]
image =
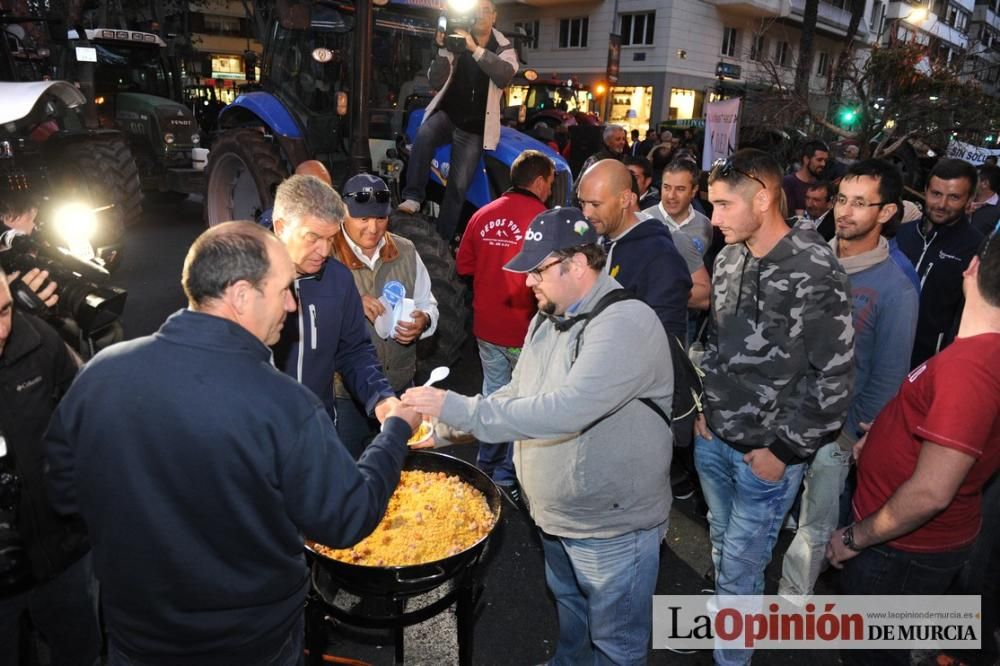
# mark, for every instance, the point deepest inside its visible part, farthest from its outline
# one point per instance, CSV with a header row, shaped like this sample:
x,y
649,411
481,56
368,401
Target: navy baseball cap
x,y
551,231
366,196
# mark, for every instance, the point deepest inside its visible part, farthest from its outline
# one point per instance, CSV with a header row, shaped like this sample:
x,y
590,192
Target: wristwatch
x,y
848,538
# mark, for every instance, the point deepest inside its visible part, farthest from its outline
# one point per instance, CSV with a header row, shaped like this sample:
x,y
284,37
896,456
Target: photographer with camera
x,y
70,291
45,565
474,63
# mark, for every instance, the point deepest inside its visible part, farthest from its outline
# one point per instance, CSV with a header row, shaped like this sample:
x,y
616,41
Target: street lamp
x,y
914,17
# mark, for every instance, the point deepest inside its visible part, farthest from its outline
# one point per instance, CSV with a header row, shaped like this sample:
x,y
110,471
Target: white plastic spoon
x,y
437,374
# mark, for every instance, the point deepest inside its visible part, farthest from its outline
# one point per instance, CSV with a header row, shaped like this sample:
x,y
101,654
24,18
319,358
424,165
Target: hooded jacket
x,y
198,467
328,334
500,67
779,359
593,461
35,371
646,262
940,256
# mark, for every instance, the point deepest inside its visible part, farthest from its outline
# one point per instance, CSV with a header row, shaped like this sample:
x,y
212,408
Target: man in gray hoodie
x,y
778,368
591,450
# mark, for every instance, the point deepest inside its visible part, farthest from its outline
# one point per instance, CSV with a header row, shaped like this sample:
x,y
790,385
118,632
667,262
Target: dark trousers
x,y
886,570
291,652
63,610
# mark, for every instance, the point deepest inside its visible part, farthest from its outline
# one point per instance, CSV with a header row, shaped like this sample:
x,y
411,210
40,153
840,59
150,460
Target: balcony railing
x,y
764,8
833,19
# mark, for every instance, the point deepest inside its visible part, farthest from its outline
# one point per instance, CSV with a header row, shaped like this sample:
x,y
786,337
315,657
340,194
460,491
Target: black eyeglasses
x,y
858,204
381,196
537,272
723,168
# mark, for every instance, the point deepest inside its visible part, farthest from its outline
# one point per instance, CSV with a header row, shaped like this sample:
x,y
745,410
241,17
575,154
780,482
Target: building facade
x,y
673,51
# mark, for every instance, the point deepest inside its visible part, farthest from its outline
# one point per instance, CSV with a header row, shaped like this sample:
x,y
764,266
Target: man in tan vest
x,y
377,258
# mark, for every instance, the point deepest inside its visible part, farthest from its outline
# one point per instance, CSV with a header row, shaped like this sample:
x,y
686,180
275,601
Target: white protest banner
x,y
722,122
971,154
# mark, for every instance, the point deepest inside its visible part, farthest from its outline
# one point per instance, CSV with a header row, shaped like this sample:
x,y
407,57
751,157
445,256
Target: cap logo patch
x,y
533,236
581,227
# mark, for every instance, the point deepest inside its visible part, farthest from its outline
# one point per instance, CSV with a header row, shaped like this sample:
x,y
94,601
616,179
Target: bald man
x,y
314,168
642,255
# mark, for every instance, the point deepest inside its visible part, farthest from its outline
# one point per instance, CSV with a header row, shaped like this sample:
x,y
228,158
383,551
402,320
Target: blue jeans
x,y
466,151
497,460
819,515
745,516
291,652
63,610
604,596
883,569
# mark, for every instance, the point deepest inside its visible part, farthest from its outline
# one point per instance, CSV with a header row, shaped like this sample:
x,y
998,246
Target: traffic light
x,y
847,115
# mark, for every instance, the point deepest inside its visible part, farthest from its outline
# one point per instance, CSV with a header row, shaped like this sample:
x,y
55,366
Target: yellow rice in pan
x,y
432,515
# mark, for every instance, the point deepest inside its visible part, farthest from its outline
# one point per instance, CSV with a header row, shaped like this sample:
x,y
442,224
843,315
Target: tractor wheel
x,y
445,346
101,172
107,165
244,170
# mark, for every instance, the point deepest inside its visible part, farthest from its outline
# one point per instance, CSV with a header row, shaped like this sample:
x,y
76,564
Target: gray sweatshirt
x,y
593,461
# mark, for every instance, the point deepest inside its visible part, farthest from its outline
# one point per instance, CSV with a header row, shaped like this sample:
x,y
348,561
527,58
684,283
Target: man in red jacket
x,y
502,305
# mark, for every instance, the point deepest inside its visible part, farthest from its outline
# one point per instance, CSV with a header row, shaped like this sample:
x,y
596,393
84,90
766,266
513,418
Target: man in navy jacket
x,y
642,255
328,333
198,467
940,247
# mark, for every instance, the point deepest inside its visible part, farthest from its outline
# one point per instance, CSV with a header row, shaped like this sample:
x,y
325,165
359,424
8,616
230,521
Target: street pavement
x,y
516,619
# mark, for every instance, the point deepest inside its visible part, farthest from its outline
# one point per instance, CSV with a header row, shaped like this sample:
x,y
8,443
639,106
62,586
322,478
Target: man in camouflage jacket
x,y
779,367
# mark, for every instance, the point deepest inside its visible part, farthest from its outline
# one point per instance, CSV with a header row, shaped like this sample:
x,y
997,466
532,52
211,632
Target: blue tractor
x,y
308,108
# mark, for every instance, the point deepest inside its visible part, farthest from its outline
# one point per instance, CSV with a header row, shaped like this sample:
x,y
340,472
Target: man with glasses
x,y
591,452
940,246
377,258
923,465
465,112
327,335
778,367
884,309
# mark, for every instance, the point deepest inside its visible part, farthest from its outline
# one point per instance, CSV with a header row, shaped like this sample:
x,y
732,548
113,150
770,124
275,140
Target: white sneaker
x,y
409,206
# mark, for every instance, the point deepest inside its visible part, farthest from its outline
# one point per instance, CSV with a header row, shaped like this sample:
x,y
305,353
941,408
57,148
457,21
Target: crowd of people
x,y
850,361
857,369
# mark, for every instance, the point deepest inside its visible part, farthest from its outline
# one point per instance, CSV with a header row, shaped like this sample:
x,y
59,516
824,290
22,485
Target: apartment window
x,y
729,38
222,25
783,53
531,29
822,64
573,33
878,11
637,29
758,48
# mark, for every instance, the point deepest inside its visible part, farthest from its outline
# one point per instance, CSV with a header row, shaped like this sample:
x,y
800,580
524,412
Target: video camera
x,y
82,286
449,24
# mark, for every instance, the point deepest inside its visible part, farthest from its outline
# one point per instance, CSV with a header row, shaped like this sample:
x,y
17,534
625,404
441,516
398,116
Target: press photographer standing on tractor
x,y
471,68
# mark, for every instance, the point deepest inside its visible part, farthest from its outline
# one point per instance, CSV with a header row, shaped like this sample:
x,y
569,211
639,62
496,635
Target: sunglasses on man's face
x,y
723,168
381,196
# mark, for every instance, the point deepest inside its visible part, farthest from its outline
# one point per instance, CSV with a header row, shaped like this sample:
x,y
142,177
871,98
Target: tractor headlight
x,y
195,139
168,138
75,223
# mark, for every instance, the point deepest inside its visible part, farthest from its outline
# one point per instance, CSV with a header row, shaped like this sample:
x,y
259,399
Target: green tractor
x,y
126,79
